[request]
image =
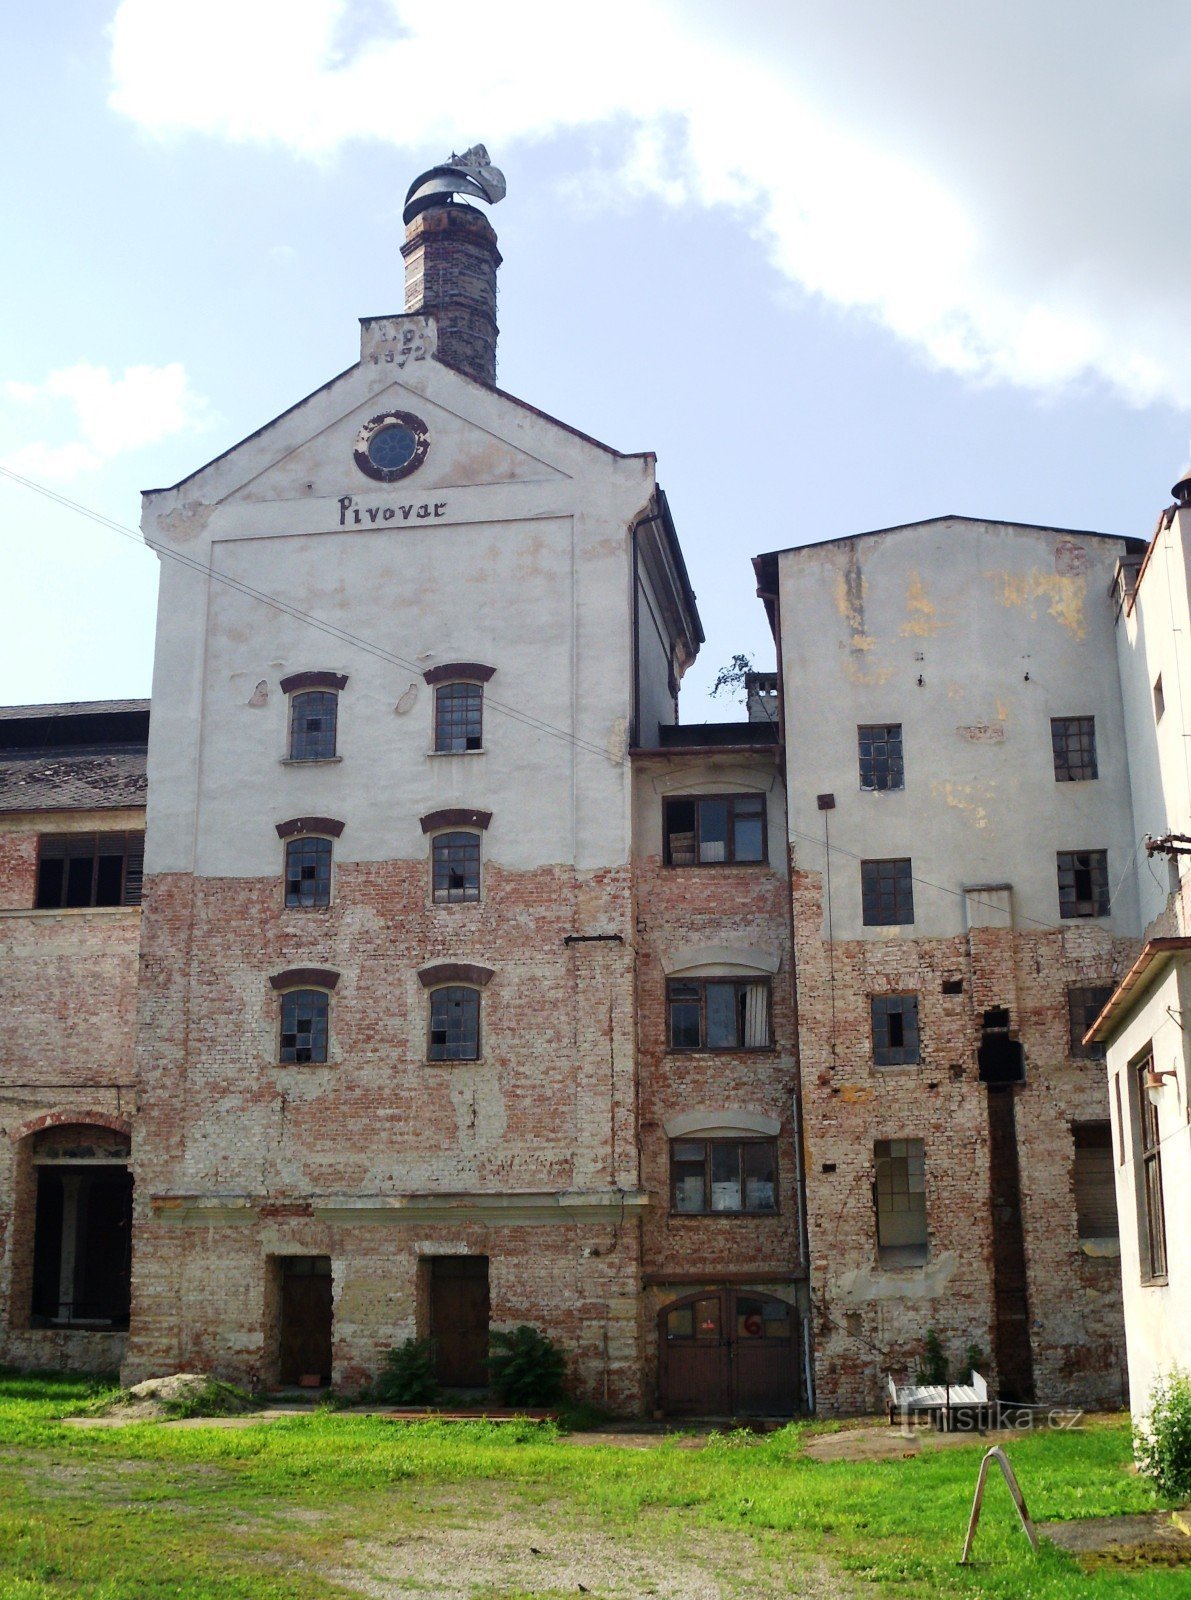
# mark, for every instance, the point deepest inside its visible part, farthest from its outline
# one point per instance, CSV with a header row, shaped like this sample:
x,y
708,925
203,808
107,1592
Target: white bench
x,y
940,1401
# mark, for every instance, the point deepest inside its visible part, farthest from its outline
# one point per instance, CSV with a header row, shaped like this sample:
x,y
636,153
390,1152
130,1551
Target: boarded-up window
x,y
1095,1183
90,869
900,1194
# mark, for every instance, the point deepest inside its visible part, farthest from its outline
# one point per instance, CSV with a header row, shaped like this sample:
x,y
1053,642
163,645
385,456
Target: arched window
x,y
454,1023
308,872
312,725
458,717
455,867
305,1020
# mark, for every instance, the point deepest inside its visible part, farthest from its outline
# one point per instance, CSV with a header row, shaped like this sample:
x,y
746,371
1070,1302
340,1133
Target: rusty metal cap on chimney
x,y
472,173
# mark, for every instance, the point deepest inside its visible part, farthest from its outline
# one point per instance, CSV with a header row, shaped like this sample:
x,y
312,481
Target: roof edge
x,y
1156,955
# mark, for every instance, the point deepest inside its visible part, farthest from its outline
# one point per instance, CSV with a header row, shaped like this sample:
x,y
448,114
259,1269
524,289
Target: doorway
x,y
728,1352
307,1314
459,1320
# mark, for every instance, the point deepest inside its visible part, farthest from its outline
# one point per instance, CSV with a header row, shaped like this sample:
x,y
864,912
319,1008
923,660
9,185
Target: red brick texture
x,y
870,1321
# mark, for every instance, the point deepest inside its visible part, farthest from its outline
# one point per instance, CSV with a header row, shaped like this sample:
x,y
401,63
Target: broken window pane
x,y
899,1191
308,872
313,716
880,746
887,892
895,1029
1083,883
708,830
1073,740
458,717
718,1014
1084,1005
456,867
304,1017
454,1023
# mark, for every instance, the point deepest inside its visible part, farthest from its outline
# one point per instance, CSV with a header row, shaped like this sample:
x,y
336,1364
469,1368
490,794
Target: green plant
x,y
408,1376
933,1367
975,1358
527,1368
1162,1436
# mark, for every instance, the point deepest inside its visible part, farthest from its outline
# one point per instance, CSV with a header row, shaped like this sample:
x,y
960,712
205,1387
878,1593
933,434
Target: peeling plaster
x,y
1063,595
868,1283
964,797
922,620
849,602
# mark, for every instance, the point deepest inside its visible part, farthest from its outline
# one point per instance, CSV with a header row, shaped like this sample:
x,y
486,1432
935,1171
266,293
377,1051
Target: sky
x,y
840,265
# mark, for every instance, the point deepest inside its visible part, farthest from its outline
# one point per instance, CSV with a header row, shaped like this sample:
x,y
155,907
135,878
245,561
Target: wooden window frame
x,y
874,874
127,845
755,799
1073,746
740,1144
1151,1200
1082,1010
1069,865
702,985
890,766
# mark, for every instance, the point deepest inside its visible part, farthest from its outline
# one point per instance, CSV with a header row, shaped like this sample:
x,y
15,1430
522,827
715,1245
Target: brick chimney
x,y
450,271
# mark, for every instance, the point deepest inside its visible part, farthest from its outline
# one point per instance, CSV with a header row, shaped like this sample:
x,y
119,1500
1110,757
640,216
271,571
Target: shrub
x,y
1162,1437
527,1369
408,1377
933,1367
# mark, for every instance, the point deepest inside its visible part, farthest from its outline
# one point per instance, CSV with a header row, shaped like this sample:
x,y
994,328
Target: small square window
x,y
458,717
887,892
881,765
312,725
1073,744
455,867
304,1017
709,830
454,1024
308,872
899,1191
1083,883
1084,1005
895,1029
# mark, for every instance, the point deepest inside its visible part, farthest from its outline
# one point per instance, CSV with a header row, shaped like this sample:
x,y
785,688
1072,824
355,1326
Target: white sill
x,y
310,761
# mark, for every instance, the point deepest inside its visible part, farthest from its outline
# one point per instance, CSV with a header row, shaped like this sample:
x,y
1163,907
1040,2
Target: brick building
x,y
475,989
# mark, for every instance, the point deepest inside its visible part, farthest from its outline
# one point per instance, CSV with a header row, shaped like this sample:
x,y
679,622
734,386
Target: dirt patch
x,y
1145,1539
183,1395
880,1442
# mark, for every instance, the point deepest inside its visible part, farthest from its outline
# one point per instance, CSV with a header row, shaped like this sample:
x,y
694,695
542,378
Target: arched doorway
x,y
728,1352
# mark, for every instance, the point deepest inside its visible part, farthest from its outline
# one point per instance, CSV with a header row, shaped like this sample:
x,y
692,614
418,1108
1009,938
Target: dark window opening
x,y
1095,1181
308,872
881,764
1151,1213
887,892
458,717
895,1029
305,1015
82,1247
313,718
723,1175
1084,1005
1001,1058
454,1024
899,1194
90,869
718,1014
1159,699
456,867
953,986
1083,883
709,830
1073,742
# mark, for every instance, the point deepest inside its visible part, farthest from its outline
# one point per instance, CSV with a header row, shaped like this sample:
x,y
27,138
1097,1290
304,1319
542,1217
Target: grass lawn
x,y
334,1505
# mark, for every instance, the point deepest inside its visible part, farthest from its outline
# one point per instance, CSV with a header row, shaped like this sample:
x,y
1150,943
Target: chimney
x,y
451,260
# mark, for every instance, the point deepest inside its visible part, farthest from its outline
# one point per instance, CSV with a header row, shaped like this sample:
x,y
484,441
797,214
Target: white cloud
x,y
999,183
112,416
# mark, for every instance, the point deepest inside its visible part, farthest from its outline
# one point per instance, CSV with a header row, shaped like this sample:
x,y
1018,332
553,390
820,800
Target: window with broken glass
x,y
887,892
458,717
455,859
1073,742
718,1014
723,1175
305,1014
312,725
708,830
89,869
895,1029
899,1193
1083,883
454,1023
1084,1005
881,765
308,872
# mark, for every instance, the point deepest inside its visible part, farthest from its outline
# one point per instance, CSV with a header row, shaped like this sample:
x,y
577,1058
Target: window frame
x,y
902,880
1082,1011
443,693
292,995
301,756
445,1054
702,984
915,1253
1151,1198
1070,903
887,1054
894,764
1078,734
740,1143
755,798
68,847
440,838
296,842
1093,1135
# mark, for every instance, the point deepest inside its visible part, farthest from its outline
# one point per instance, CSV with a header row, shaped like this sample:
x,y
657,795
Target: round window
x,y
391,446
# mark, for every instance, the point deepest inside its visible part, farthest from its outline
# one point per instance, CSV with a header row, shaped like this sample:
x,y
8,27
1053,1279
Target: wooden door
x,y
307,1314
694,1360
764,1356
459,1320
728,1353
